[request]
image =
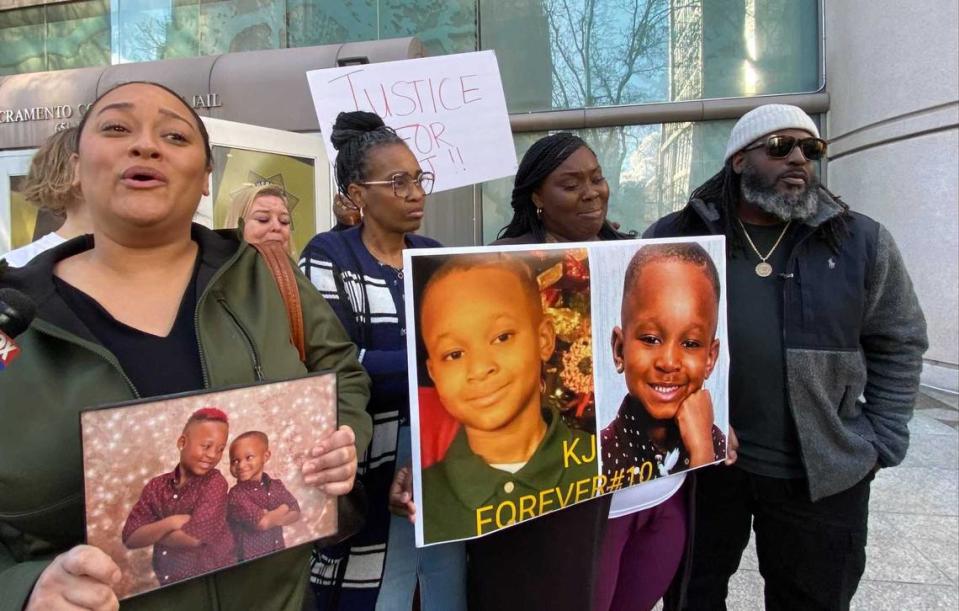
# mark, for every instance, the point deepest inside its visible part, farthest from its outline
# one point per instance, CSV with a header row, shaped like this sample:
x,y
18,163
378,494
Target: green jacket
x,y
464,497
244,336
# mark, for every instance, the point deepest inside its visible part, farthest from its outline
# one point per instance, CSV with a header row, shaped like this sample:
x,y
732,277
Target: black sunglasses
x,y
779,147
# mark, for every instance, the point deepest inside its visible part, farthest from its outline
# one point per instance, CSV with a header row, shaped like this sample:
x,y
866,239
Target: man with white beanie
x,y
826,340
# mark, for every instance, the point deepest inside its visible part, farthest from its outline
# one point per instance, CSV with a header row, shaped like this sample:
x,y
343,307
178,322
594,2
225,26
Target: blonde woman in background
x,y
49,186
265,212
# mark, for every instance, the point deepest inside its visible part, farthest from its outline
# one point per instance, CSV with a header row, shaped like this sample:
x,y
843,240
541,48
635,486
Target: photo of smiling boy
x,y
486,339
259,506
667,348
182,514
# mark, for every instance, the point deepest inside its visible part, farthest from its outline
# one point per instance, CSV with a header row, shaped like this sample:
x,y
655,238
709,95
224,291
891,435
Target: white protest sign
x,y
450,110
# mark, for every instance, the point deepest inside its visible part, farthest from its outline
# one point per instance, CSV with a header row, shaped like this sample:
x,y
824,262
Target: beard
x,y
788,207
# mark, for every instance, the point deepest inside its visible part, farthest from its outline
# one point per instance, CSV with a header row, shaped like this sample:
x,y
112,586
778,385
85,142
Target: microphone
x,y
17,311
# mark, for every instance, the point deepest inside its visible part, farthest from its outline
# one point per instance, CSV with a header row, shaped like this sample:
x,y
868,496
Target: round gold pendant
x,y
763,269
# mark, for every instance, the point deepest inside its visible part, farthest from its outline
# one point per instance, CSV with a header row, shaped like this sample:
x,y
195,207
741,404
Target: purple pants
x,y
640,555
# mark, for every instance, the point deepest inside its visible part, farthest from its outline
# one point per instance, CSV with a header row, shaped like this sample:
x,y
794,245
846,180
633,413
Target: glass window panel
x,y
144,30
317,22
651,170
557,54
241,25
164,29
22,41
443,26
183,34
78,34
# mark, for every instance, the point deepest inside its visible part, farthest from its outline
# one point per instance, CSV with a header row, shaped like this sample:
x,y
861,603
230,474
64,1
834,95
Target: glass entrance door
x,y
248,154
18,218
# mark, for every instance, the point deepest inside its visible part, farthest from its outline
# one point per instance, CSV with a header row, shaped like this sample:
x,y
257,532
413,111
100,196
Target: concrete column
x,y
892,73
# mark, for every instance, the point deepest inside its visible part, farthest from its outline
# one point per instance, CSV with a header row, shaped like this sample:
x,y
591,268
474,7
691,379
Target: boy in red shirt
x,y
182,514
259,506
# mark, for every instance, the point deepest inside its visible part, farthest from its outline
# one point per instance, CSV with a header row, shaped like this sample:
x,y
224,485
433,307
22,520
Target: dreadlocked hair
x,y
353,136
723,191
540,161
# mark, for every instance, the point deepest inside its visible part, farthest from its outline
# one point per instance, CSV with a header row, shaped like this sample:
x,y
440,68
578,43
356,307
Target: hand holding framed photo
x,y
181,486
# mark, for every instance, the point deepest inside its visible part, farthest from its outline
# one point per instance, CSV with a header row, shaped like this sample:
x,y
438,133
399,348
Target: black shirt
x,y
758,407
155,365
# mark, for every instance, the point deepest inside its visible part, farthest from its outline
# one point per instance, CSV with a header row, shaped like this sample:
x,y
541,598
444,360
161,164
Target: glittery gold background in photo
x,y
125,447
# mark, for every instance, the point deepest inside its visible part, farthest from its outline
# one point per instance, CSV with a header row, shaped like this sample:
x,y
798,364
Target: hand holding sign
x,y
450,110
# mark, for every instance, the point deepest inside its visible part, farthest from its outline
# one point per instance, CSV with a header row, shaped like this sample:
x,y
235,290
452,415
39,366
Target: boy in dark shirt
x,y
259,506
182,514
486,338
667,347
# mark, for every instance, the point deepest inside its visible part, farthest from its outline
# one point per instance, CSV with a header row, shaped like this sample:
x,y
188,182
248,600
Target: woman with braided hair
x,y
560,195
360,272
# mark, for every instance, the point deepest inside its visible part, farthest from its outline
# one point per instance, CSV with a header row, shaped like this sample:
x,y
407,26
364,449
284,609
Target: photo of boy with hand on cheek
x,y
666,348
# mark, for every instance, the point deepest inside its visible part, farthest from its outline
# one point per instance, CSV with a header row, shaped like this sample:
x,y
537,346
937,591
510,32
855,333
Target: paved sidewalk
x,y
912,558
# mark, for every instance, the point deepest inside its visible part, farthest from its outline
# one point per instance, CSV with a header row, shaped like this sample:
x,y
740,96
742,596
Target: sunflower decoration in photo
x,y
563,278
294,176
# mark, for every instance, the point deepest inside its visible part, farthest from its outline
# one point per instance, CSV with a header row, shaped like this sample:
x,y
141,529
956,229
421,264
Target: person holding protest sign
x,y
360,272
150,305
559,195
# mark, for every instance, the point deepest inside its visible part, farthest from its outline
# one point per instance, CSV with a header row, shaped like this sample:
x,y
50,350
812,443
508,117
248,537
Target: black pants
x,y
811,555
546,563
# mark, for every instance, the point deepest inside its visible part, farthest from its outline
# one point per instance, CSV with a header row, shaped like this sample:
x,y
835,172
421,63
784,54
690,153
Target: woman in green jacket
x,y
148,305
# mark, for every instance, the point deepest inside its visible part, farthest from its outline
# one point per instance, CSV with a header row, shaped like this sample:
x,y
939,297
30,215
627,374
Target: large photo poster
x,y
542,376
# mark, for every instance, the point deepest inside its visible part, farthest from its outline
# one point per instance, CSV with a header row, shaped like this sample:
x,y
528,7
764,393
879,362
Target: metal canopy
x,y
266,88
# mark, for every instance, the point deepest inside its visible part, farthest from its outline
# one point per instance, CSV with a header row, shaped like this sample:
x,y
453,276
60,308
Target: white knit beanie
x,y
765,120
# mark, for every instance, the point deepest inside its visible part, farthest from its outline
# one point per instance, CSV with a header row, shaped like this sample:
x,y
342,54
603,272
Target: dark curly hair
x,y
686,252
540,161
354,135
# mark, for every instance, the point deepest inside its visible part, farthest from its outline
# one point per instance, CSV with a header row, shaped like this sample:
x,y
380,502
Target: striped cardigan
x,y
367,296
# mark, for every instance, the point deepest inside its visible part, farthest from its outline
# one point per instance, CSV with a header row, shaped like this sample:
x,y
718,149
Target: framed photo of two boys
x,y
177,487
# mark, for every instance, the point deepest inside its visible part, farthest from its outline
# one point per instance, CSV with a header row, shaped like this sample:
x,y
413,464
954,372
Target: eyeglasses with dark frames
x,y
402,183
779,147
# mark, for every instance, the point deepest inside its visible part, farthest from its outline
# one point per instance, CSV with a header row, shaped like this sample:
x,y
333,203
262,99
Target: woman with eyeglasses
x,y
360,272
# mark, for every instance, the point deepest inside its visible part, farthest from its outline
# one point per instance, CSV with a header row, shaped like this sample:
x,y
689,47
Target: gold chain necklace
x,y
763,269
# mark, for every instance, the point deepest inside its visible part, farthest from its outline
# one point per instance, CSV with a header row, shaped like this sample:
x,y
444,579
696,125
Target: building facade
x,y
653,85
